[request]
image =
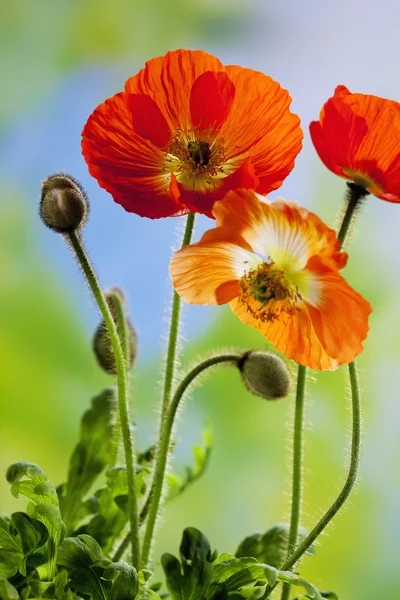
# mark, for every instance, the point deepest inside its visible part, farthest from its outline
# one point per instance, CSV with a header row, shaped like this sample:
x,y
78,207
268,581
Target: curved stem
x,y
355,195
162,456
297,468
351,477
87,269
348,485
174,329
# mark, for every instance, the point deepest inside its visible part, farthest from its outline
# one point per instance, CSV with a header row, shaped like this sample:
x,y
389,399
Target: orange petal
x,y
208,272
211,99
279,230
340,316
261,125
129,167
291,334
168,80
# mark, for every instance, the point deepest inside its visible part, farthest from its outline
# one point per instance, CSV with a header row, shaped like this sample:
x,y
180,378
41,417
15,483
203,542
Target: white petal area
x,y
209,272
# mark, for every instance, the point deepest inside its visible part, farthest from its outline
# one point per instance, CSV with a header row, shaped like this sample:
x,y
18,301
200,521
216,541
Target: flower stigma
x,y
266,292
198,159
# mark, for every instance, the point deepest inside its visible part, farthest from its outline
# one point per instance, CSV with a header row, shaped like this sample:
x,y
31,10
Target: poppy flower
x,y
278,266
186,130
358,138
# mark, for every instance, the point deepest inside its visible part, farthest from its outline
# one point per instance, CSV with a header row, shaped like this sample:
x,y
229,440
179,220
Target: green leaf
x,y
7,591
124,581
94,575
9,562
33,535
270,547
60,582
79,555
177,485
30,480
190,578
112,506
90,456
10,548
111,518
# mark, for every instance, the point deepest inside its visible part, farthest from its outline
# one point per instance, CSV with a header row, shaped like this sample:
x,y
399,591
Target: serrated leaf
x,y
124,581
7,591
270,547
60,583
90,456
31,481
176,484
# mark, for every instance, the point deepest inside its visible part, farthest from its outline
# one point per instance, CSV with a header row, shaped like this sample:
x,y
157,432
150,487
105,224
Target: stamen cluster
x,y
268,286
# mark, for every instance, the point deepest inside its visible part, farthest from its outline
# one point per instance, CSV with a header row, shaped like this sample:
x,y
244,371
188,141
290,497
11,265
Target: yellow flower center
x,y
270,289
362,179
198,159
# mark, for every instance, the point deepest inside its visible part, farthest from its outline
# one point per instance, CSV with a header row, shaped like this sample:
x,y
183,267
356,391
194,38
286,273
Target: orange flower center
x,y
198,159
266,292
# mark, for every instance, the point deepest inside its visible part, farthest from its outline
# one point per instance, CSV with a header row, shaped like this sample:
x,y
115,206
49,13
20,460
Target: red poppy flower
x,y
278,266
186,130
358,138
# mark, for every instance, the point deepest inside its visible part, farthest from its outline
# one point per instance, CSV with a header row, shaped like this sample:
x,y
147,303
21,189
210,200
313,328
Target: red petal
x,y
211,99
148,120
128,166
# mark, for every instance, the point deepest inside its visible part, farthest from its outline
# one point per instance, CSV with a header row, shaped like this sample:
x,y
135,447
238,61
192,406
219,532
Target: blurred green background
x,y
58,61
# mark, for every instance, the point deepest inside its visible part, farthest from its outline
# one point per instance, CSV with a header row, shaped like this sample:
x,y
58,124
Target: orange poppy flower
x,y
358,138
186,130
278,266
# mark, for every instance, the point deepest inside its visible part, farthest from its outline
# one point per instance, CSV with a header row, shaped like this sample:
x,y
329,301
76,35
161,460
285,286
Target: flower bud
x,y
64,206
265,374
101,342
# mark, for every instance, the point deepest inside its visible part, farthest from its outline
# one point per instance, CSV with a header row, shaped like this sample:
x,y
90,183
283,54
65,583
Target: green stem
x,y
159,472
297,468
122,327
174,329
168,380
348,485
355,195
87,269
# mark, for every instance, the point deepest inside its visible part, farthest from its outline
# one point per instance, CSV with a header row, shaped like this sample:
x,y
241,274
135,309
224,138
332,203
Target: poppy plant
x,y
278,266
186,130
358,138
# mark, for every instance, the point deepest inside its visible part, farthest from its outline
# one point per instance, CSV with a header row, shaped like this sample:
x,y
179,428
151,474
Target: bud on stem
x,y
64,206
265,374
101,342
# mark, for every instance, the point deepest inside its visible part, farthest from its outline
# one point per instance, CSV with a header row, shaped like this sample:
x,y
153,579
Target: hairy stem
x,y
123,405
162,456
297,468
354,197
174,329
122,328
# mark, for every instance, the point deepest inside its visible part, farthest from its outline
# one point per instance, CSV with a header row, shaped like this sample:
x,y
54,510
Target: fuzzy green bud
x,y
64,206
265,374
102,346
